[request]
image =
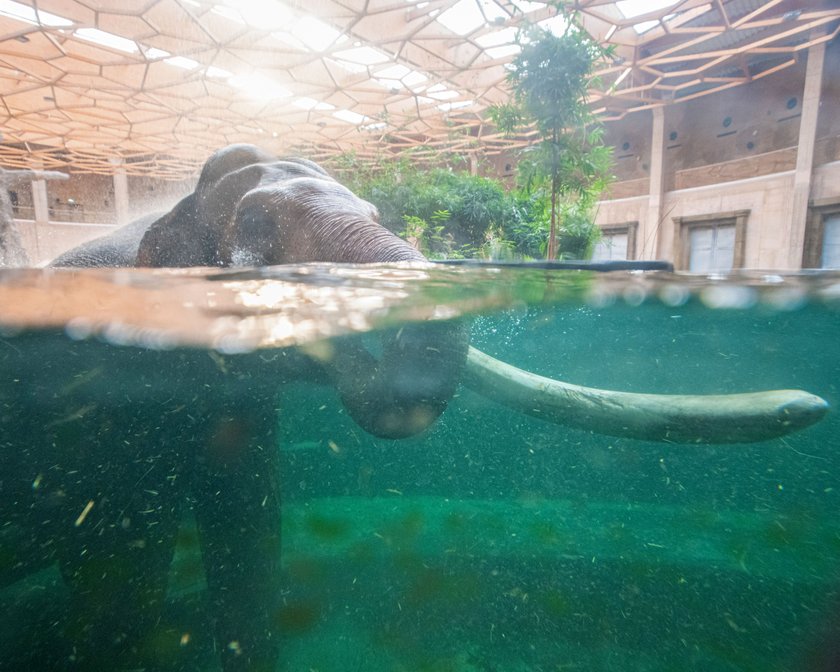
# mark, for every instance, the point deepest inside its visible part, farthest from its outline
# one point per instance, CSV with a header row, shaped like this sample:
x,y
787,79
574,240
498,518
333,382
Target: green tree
x,y
549,80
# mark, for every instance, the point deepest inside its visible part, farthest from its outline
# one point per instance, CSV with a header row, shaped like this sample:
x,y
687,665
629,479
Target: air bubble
x,y
730,297
634,295
674,295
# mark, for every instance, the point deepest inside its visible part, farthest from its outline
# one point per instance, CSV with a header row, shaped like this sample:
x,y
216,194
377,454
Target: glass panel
x,y
700,250
831,242
711,249
611,247
723,254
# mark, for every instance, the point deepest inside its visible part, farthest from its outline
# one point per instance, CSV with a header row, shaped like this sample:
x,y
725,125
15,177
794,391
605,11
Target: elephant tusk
x,y
679,418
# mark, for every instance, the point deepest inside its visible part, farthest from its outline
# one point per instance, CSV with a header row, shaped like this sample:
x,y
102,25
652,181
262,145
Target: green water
x,y
494,541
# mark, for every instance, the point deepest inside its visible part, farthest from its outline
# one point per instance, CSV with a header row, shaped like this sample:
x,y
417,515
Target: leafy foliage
x,y
451,213
550,77
570,166
430,238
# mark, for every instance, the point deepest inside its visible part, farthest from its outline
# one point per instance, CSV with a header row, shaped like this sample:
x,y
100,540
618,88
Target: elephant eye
x,y
253,221
254,235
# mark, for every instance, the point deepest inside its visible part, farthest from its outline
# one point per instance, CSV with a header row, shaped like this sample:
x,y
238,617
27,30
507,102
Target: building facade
x,y
746,178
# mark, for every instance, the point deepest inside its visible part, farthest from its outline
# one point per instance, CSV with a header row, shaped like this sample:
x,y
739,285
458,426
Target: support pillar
x,y
803,174
40,204
120,192
650,233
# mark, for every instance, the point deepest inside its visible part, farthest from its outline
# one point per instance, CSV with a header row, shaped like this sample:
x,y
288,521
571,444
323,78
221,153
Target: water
x,y
492,541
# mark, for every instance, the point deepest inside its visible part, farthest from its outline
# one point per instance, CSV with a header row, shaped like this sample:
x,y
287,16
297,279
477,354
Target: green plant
x,y
431,238
570,165
401,190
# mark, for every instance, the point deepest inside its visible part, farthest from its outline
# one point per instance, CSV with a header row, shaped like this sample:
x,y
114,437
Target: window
x,y
611,247
831,242
822,236
710,243
617,243
711,248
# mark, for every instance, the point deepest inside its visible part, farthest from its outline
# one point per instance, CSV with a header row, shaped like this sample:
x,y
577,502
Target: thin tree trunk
x,y
551,254
552,232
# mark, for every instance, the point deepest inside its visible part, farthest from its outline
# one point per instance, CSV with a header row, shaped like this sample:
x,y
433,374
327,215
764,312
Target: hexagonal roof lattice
x,y
159,84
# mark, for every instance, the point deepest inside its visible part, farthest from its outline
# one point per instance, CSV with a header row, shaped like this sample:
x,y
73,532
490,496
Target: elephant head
x,y
250,209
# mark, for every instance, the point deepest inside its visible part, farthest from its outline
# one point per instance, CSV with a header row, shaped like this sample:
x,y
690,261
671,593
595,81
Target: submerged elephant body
x,y
248,209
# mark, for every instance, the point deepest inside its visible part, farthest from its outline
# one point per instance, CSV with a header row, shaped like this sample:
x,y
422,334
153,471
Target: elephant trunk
x,y
421,364
410,386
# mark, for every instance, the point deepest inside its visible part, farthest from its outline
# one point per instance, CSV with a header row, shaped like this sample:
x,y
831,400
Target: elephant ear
x,y
177,239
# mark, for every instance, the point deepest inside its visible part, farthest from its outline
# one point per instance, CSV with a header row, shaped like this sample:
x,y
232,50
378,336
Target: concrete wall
x,y
90,198
90,212
45,241
766,197
727,153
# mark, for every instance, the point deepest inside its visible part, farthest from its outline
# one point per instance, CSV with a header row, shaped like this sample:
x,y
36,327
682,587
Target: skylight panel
x,y
228,13
398,76
644,26
633,8
289,39
259,86
467,15
443,95
527,6
492,12
183,62
21,12
503,51
393,85
213,71
350,117
263,14
154,52
316,34
312,104
363,55
396,71
414,80
497,37
377,126
558,25
347,65
458,105
107,39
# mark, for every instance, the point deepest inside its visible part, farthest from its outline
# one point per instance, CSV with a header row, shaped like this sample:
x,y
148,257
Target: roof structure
x,y
154,86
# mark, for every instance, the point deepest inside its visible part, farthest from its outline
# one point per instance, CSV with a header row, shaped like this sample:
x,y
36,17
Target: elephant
x,y
250,208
